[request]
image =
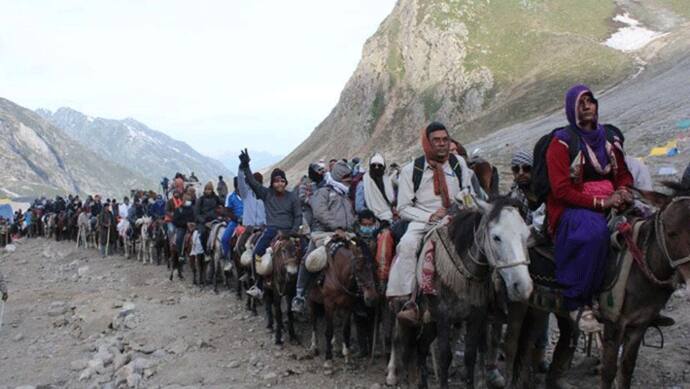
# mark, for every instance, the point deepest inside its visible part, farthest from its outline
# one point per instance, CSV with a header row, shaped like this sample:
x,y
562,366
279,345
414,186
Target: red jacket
x,y
565,193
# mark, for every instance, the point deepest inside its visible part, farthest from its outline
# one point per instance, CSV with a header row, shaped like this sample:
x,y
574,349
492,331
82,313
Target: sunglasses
x,y
525,168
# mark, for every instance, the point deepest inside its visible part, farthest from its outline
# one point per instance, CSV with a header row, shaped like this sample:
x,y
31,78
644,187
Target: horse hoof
x,y
328,365
391,380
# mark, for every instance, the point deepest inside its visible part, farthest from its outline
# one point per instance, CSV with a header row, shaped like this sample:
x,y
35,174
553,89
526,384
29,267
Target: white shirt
x,y
123,210
419,206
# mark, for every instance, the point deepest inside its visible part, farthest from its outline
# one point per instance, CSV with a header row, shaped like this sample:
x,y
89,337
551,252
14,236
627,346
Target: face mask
x,y
367,230
187,203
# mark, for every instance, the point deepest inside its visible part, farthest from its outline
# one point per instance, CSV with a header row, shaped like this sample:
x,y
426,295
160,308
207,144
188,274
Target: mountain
x,y
39,158
260,160
479,66
132,144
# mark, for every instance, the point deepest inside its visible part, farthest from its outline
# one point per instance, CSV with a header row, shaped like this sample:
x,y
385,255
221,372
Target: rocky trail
x,y
75,320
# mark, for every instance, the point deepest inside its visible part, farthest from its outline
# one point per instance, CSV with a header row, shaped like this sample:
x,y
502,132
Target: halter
x,y
480,244
661,237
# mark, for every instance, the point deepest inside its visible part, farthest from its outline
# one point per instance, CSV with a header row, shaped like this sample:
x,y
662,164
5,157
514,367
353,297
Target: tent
x,y
7,212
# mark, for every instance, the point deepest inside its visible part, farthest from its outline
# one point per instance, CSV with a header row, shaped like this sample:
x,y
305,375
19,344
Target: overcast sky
x,y
219,75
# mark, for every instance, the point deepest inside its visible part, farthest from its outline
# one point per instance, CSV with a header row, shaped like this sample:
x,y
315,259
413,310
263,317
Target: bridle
x,y
661,236
481,238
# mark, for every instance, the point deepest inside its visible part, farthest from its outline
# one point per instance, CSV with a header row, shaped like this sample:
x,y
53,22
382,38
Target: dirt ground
x,y
76,320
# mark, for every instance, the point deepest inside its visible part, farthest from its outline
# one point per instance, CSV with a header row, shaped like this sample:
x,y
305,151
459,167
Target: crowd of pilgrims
x,y
373,197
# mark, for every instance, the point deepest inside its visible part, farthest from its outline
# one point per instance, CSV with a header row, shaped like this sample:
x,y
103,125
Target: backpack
x,y
418,172
540,175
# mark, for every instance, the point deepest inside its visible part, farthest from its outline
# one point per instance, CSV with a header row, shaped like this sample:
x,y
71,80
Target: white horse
x,y
85,232
145,241
123,228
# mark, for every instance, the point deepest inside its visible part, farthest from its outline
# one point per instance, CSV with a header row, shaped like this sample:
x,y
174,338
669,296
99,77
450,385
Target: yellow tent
x,y
658,152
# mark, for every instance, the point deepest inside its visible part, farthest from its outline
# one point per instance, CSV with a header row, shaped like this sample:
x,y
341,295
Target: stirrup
x,y
409,314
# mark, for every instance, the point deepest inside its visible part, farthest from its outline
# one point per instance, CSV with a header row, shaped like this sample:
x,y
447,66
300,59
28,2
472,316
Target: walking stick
x,y
107,242
2,312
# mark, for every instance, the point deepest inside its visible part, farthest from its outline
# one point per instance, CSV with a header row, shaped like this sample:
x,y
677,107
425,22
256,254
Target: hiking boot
x,y
297,304
409,315
662,321
244,277
588,323
255,292
228,266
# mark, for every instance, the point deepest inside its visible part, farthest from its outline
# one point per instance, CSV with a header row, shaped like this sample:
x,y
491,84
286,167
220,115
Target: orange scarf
x,y
440,186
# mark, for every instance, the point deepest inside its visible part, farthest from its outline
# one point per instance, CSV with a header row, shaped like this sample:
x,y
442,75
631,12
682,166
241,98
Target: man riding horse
x,y
283,210
440,177
332,213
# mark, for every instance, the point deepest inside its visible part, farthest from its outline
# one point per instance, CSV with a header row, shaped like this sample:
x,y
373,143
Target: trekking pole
x,y
107,242
2,312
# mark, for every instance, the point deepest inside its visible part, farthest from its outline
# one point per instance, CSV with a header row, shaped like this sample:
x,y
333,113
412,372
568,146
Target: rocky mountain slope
x,y
132,144
38,158
477,66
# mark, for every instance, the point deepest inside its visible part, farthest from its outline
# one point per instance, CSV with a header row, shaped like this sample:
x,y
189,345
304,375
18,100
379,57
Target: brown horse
x,y
244,272
281,285
487,175
348,277
664,239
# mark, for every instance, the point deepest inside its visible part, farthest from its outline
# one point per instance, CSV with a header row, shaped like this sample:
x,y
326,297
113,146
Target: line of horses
x,y
485,265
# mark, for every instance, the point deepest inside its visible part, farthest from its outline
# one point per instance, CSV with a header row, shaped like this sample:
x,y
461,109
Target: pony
x,y
281,284
477,256
145,241
660,257
347,279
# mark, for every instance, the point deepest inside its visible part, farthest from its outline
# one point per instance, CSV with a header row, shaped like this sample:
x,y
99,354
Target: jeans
x,y
304,276
179,238
265,241
227,236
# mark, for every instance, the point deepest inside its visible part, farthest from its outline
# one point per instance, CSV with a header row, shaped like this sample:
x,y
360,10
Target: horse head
x,y
286,254
363,271
672,228
497,234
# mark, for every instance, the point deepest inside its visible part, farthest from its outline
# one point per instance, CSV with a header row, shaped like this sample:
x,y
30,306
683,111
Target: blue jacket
x,y
254,213
234,203
157,209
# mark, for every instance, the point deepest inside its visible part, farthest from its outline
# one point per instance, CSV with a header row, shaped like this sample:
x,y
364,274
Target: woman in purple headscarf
x,y
582,191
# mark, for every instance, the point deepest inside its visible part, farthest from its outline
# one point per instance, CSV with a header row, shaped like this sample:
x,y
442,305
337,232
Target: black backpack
x,y
418,172
540,175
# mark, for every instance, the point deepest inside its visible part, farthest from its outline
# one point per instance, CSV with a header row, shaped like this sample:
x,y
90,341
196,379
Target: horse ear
x,y
656,199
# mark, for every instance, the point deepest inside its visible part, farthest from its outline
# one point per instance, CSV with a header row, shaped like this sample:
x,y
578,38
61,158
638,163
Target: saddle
x,y
548,292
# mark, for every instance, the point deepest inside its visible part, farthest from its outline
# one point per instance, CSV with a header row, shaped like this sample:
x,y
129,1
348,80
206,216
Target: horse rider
x,y
332,215
253,210
233,209
96,208
582,192
123,209
164,184
206,211
157,209
222,188
376,193
175,202
521,188
441,176
183,216
314,180
283,211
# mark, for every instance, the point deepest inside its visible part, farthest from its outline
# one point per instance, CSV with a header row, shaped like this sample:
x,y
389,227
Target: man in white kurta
x,y
423,210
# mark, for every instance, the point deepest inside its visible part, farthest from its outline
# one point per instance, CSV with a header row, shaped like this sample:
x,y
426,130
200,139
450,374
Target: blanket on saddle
x,y
439,265
547,292
214,234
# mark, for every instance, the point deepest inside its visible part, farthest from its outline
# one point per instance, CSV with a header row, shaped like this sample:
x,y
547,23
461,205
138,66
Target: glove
x,y
244,159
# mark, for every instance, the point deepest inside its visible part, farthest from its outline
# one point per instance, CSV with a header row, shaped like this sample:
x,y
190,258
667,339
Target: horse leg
x,y
562,355
609,360
268,306
494,377
347,329
278,311
397,344
475,332
291,320
192,265
423,350
329,335
314,345
631,346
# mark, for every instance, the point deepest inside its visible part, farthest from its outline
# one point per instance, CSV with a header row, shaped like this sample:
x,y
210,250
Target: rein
x,y
480,245
640,256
